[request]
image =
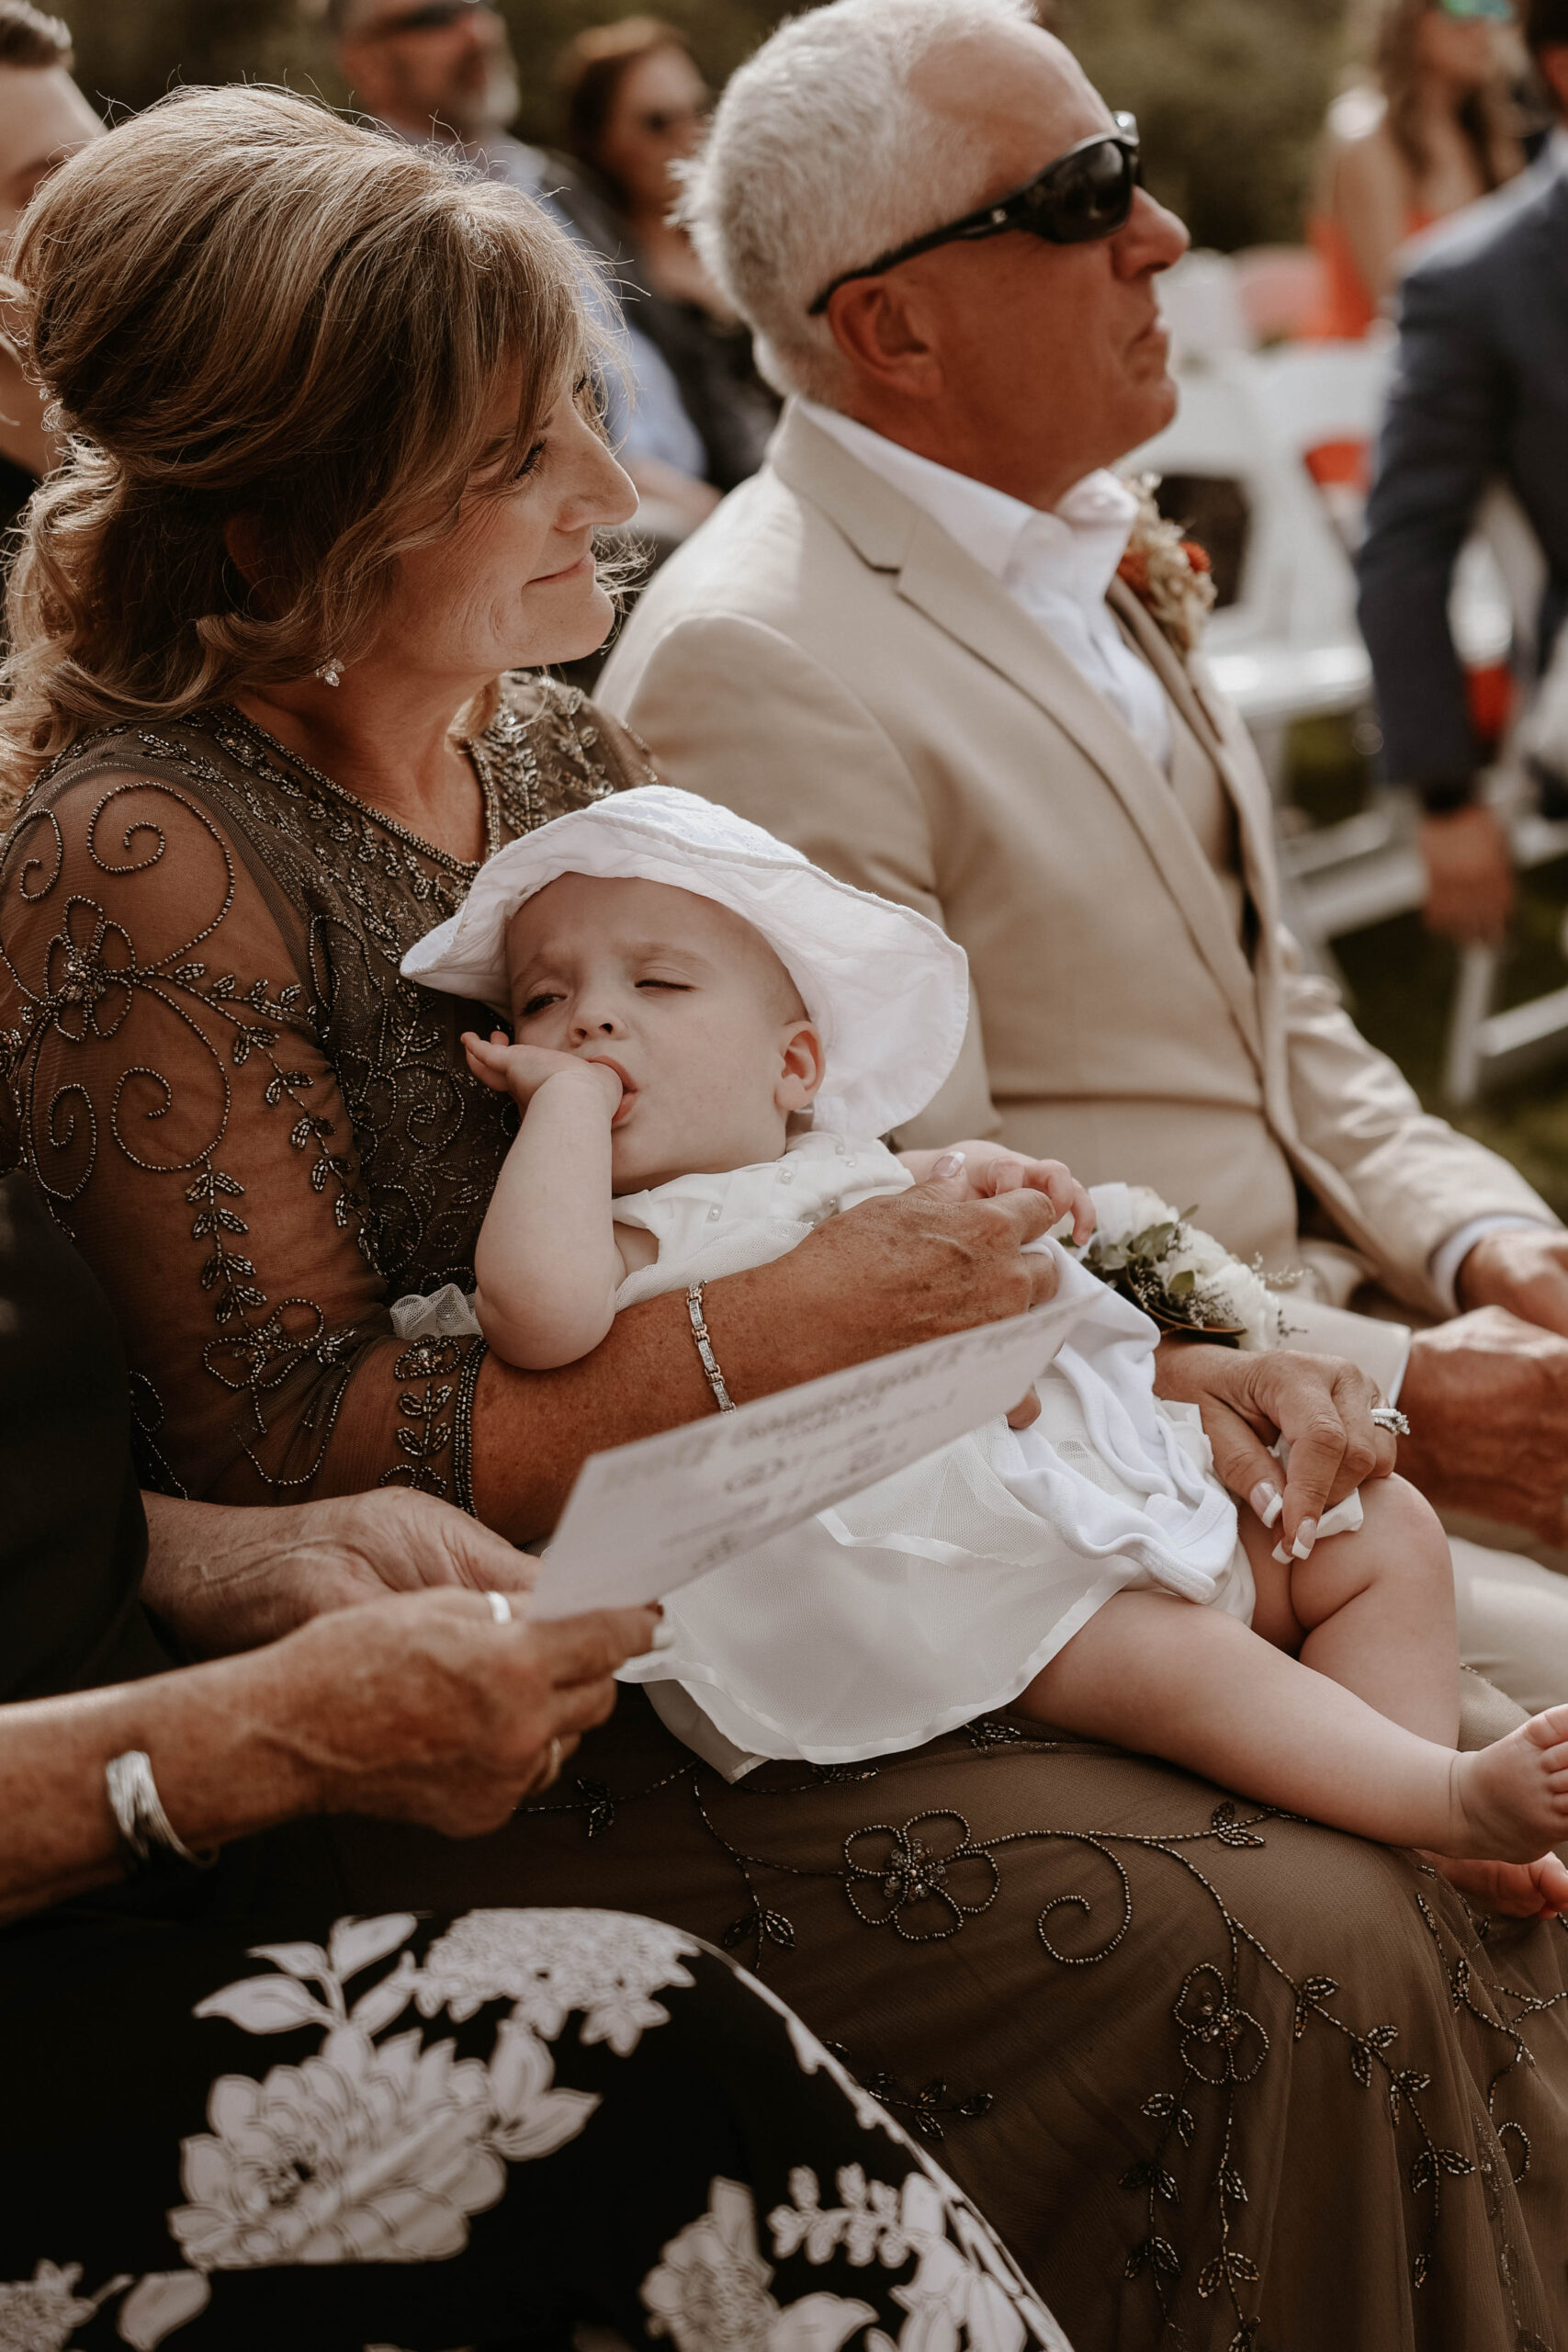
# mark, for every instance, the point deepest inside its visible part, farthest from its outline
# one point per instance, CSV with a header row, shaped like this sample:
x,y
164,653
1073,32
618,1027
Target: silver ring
x,y
552,1772
500,1608
1390,1417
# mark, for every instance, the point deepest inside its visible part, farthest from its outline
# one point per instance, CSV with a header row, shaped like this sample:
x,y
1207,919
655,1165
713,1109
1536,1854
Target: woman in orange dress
x,y
1431,131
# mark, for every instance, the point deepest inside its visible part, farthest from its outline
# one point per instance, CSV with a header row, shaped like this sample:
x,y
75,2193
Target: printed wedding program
x,y
645,1519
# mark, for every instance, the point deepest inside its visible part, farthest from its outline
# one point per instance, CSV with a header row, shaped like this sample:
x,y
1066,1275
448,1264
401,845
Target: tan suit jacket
x,y
825,659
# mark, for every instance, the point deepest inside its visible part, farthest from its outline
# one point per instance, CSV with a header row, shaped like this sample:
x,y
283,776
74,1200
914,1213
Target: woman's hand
x,y
425,1709
224,1580
418,1708
1321,1404
520,1071
988,1171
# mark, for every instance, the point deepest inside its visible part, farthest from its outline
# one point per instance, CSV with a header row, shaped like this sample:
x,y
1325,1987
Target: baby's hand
x,y
990,1169
521,1070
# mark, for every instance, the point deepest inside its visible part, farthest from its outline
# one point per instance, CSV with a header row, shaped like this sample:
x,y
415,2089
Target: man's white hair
x,y
820,157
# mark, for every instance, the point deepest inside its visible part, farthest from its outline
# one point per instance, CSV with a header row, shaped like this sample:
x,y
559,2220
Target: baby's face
x,y
685,1003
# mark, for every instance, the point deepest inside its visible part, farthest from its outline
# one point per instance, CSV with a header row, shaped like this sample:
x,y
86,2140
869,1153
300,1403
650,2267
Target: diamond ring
x,y
500,1608
1390,1417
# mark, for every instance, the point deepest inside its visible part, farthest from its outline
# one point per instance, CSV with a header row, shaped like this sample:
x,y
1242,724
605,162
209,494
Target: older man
x,y
906,647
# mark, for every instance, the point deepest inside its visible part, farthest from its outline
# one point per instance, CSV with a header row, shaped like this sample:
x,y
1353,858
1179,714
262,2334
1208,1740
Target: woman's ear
x,y
242,543
802,1068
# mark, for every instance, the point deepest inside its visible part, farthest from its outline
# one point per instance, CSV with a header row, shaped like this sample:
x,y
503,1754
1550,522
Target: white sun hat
x,y
887,990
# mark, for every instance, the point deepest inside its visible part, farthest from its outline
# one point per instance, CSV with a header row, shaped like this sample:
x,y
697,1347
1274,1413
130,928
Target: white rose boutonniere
x,y
1171,576
1180,1276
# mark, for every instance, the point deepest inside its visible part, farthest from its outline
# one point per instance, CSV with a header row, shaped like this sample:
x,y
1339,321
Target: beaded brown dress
x,y
255,1130
1227,2082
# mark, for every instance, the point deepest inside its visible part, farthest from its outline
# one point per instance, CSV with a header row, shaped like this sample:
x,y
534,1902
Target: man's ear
x,y
802,1068
885,336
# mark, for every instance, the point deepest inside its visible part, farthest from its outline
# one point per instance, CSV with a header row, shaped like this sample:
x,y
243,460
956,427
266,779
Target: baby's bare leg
x,y
1374,1611
1156,1673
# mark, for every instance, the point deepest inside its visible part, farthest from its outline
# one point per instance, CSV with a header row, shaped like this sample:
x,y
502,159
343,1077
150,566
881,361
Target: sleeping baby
x,y
708,1036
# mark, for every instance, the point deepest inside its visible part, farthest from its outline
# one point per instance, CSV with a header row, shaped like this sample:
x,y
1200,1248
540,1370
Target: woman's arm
x,y
417,1709
887,1275
221,1580
545,1265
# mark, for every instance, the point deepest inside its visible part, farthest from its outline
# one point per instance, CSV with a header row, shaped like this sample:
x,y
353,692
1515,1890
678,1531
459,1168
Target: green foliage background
x,y
1230,91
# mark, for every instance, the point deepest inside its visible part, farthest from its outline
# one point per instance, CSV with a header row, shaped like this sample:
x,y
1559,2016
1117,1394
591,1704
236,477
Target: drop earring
x,y
331,671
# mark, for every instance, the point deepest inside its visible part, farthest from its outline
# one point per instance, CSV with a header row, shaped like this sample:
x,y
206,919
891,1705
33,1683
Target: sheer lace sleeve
x,y
176,1105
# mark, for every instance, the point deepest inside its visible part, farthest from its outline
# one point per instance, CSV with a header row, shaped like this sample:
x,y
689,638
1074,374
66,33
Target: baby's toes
x,y
1550,1732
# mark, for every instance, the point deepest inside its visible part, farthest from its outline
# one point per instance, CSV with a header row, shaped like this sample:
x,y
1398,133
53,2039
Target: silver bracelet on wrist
x,y
147,1836
704,1349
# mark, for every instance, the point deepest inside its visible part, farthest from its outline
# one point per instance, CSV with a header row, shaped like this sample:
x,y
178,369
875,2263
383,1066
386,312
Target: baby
x,y
686,994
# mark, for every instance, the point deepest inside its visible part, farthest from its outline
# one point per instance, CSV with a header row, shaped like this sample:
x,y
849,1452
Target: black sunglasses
x,y
1083,194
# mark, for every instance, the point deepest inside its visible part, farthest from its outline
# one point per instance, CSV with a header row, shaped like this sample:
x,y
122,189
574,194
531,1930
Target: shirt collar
x,y
1077,546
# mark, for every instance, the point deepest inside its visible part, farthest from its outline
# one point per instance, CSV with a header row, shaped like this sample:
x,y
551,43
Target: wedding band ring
x,y
552,1773
500,1608
1390,1417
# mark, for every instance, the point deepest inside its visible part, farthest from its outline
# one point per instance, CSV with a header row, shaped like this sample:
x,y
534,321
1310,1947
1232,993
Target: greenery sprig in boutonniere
x,y
1182,1277
1171,576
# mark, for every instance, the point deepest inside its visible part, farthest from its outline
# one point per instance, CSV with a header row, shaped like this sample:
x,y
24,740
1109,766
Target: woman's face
x,y
661,107
514,585
1467,52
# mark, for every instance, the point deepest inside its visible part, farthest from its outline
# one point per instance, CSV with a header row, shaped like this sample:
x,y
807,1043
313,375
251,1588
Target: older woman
x,y
485,2126
334,475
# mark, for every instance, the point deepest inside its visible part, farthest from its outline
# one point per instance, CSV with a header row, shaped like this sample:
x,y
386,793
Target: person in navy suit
x,y
1481,394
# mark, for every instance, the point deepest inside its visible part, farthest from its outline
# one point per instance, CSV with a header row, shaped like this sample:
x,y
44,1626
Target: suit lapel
x,y
963,599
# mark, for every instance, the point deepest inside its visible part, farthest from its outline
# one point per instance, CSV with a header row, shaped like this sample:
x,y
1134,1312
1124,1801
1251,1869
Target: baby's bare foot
x,y
1511,1799
1517,1890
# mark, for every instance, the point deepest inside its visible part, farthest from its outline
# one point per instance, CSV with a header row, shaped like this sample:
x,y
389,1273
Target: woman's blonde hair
x,y
1488,118
247,307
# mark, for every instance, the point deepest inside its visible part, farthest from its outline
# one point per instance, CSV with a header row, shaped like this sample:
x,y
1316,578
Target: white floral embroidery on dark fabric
x,y
605,1964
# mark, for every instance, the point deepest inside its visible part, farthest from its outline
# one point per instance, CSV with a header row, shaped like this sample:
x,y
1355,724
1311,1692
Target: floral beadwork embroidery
x,y
404,1169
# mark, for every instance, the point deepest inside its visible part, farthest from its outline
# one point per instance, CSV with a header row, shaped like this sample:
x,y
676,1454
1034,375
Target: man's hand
x,y
1487,1400
1321,1404
1469,876
223,1580
1525,1270
521,1070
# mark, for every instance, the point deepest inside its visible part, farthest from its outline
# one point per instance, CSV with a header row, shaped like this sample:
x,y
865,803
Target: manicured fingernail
x,y
952,1163
1266,1501
1306,1537
1282,1555
663,1635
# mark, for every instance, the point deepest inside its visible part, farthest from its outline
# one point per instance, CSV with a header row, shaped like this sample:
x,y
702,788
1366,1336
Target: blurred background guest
x,y
634,106
1481,395
43,118
1430,130
444,70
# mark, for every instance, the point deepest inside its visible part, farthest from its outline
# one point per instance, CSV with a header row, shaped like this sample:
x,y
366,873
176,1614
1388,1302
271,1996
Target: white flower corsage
x,y
1171,576
1180,1276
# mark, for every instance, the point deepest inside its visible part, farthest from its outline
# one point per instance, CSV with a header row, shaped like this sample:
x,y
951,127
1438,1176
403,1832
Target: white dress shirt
x,y
1057,566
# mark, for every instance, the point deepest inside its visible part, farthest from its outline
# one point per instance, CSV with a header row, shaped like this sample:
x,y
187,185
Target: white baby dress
x,y
941,1593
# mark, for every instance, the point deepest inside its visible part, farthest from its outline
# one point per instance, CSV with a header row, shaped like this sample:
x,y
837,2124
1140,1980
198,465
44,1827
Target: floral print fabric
x,y
431,2113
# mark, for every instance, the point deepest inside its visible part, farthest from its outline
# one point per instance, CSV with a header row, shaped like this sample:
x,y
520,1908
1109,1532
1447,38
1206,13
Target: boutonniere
x,y
1171,577
1189,1282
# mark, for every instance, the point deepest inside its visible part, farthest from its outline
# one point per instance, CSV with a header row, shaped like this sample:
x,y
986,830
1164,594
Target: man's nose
x,y
1153,238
